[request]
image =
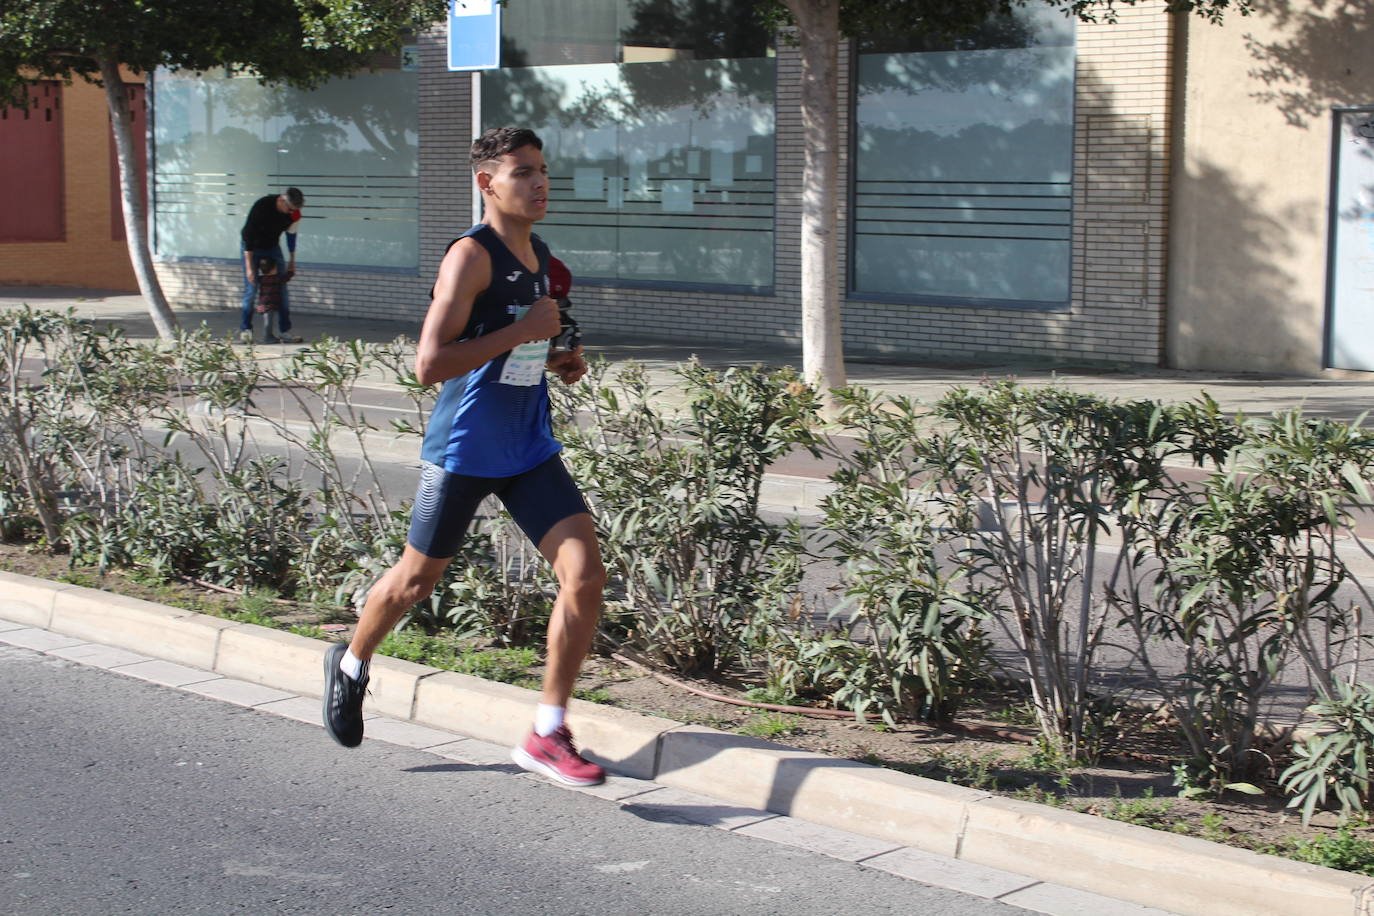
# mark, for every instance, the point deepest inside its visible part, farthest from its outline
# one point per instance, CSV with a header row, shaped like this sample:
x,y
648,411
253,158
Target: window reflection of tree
x,y
1033,87
926,174
379,106
350,144
994,33
701,72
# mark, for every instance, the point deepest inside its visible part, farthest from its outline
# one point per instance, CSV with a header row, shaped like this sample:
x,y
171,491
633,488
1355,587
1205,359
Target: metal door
x,y
31,180
1350,243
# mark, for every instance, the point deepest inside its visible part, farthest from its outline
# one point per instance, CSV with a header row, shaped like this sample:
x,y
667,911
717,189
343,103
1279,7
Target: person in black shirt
x,y
261,238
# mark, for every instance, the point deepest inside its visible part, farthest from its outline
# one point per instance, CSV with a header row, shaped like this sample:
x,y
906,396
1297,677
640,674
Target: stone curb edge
x,y
1184,875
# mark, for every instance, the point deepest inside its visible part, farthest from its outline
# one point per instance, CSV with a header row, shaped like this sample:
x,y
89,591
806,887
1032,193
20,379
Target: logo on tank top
x,y
513,277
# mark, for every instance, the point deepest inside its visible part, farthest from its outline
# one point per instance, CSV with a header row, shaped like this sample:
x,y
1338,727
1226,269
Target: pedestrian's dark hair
x,y
294,197
495,143
265,265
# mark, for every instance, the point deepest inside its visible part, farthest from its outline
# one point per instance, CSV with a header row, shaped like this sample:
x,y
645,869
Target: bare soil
x,y
991,747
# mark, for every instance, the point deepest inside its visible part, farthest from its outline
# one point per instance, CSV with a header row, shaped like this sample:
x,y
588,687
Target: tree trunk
x,y
818,30
135,217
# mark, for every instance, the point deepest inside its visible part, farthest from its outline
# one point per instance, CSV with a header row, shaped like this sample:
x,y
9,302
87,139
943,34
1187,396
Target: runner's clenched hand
x,y
541,321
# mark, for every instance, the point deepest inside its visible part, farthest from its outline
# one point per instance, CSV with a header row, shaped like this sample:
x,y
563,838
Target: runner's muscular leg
x,y
402,586
571,548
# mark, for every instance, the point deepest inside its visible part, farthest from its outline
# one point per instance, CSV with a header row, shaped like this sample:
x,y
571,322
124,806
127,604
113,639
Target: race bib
x,y
525,364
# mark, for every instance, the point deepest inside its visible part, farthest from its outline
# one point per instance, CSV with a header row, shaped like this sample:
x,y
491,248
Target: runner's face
x,y
518,184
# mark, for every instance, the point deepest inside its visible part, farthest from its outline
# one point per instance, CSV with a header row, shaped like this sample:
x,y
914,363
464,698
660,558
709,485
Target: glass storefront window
x,y
659,139
350,146
963,166
551,33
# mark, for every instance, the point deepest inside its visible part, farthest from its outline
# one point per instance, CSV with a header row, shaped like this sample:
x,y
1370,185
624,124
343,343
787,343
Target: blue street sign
x,y
474,35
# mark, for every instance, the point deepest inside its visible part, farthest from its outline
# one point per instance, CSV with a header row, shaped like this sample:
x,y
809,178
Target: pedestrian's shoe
x,y
289,338
271,340
555,756
343,700
245,336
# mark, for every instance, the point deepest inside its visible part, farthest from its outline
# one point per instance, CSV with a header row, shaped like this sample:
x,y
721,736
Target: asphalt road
x,y
120,796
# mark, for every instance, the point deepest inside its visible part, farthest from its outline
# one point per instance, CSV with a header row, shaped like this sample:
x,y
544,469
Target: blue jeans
x,y
250,290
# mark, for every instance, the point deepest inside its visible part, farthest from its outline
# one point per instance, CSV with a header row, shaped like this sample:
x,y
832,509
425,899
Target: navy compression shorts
x,y
445,504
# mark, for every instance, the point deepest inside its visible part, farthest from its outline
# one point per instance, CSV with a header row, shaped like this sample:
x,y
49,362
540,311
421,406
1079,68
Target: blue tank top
x,y
481,426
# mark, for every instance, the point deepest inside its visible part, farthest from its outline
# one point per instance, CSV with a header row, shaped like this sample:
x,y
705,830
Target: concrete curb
x,y
1184,875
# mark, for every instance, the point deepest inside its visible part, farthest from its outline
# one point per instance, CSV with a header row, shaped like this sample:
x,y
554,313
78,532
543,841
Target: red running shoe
x,y
555,756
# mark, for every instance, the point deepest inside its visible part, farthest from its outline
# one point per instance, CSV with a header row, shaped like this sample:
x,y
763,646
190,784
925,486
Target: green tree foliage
x,y
300,42
953,18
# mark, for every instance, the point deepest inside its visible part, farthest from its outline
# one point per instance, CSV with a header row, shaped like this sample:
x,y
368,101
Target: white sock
x,y
353,666
547,719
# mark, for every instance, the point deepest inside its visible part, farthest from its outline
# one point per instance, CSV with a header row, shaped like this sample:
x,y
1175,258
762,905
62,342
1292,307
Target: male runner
x,y
486,337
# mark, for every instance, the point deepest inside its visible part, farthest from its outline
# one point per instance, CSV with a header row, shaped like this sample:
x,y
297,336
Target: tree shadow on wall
x,y
1230,295
1303,72
1239,298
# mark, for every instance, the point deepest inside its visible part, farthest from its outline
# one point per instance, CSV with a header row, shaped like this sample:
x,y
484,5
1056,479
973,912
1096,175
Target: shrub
x,y
1246,581
676,500
161,526
1018,487
906,641
1344,850
111,392
1335,762
1028,482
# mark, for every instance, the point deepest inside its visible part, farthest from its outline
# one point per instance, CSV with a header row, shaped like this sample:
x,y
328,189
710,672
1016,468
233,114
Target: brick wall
x,y
1120,205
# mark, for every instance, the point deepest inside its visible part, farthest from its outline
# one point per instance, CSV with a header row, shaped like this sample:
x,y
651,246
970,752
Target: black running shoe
x,y
343,700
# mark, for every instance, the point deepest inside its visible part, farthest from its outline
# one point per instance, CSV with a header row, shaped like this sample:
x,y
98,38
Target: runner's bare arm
x,y
464,273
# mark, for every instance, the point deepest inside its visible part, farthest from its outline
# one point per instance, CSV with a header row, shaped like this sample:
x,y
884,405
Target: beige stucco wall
x,y
1248,225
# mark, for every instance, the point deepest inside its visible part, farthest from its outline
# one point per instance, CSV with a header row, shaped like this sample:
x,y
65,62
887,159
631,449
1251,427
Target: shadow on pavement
x,y
465,768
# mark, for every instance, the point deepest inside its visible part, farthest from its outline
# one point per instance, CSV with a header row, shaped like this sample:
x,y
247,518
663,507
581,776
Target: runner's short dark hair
x,y
294,197
495,143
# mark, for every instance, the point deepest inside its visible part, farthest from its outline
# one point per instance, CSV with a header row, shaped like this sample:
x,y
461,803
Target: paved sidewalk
x,y
1336,397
